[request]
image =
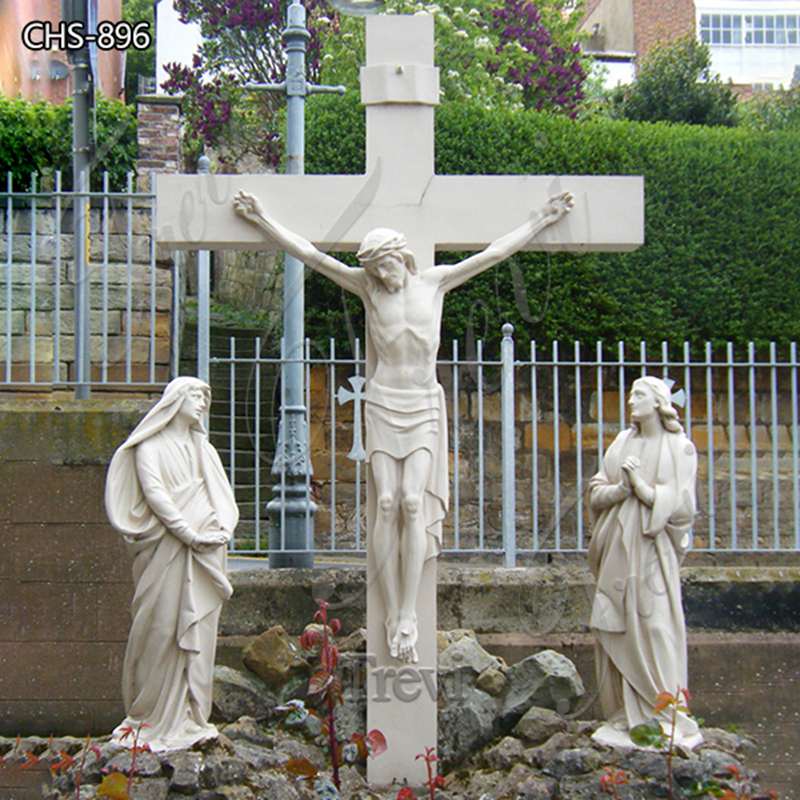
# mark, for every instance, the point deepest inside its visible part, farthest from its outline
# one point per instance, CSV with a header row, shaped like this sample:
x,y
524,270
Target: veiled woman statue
x,y
643,504
169,497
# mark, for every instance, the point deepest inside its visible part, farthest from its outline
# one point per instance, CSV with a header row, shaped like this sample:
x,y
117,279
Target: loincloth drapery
x,y
401,421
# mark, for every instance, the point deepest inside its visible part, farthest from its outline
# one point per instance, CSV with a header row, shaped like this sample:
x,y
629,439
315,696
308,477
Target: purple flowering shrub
x,y
242,44
512,53
550,69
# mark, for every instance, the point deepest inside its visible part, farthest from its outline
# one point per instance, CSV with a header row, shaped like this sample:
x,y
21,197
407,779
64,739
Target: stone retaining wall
x,y
54,282
65,584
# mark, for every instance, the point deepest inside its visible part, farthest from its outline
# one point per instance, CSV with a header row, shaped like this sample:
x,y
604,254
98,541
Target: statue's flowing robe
x,y
158,492
635,555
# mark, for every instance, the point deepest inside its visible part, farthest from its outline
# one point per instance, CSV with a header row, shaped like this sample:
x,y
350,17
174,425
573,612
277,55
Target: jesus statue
x,y
406,425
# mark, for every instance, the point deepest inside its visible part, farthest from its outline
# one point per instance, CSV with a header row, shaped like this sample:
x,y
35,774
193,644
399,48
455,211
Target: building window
x,y
750,29
721,28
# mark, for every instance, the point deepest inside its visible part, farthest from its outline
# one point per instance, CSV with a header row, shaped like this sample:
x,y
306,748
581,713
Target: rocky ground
x,y
505,733
546,758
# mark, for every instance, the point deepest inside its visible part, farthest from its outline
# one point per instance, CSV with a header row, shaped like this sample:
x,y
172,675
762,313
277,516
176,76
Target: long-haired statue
x,y
169,497
643,505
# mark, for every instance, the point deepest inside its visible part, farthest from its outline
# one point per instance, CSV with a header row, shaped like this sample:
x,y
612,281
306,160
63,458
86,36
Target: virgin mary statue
x,y
643,504
169,497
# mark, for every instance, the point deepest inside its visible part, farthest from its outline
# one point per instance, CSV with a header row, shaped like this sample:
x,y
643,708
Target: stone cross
x,y
400,189
357,452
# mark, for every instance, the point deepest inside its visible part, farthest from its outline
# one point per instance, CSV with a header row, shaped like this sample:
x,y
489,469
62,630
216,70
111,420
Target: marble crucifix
x,y
308,215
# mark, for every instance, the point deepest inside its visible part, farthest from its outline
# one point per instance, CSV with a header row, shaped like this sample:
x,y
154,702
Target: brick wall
x,y
158,135
655,21
65,584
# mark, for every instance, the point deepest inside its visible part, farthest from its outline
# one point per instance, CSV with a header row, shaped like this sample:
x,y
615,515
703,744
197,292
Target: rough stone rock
x,y
539,724
688,772
719,739
545,679
274,657
718,761
237,694
293,748
587,787
220,770
647,763
227,793
466,652
257,757
535,788
150,788
492,681
147,764
275,786
575,761
352,670
351,716
503,755
356,642
521,783
185,768
247,729
452,683
466,725
541,754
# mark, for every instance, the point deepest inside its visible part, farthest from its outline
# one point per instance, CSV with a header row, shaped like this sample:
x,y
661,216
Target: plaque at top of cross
x,y
409,212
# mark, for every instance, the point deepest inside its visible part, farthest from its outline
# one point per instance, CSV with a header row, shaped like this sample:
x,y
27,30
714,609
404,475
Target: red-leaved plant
x,y
611,779
325,690
433,782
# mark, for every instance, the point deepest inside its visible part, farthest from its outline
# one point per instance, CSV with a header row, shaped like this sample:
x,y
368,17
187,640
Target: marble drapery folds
x,y
635,557
161,491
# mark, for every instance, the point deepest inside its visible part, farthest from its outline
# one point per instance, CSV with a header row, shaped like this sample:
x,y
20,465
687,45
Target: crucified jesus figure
x,y
405,413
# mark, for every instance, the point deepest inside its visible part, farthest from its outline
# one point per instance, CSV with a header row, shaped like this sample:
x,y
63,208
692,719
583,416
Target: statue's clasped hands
x,y
208,541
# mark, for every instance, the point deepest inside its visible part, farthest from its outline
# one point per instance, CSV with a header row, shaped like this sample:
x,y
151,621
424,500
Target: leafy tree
x,y
675,84
138,62
242,44
772,111
499,52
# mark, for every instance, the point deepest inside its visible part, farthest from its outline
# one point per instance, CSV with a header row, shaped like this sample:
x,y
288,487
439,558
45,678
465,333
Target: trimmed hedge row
x,y
37,137
722,254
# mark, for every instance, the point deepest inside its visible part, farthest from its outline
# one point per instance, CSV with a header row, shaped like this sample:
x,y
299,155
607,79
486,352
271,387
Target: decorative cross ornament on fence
x,y
400,188
679,397
344,395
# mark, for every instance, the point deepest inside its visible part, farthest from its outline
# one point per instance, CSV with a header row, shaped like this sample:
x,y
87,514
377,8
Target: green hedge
x,y
722,254
37,137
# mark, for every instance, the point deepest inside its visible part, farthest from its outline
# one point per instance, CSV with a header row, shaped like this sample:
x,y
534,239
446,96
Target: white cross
x,y
400,190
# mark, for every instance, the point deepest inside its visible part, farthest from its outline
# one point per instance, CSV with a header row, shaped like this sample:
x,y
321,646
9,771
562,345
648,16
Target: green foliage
x,y
649,734
772,111
37,137
675,84
139,62
722,254
496,52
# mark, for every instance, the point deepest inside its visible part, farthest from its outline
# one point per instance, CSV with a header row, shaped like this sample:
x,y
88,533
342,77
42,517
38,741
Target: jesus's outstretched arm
x,y
350,278
505,246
